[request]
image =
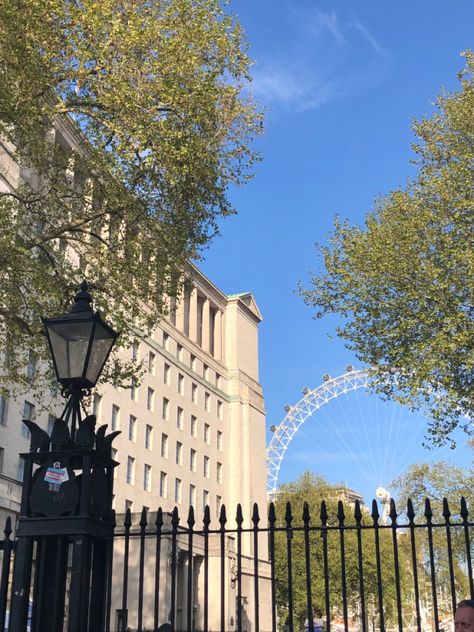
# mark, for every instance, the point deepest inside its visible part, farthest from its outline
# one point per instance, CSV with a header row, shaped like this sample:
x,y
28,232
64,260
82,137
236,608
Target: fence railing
x,y
292,569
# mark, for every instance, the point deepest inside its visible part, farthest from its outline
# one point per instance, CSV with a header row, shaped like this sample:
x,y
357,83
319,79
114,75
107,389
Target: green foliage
x,y
313,490
149,95
403,285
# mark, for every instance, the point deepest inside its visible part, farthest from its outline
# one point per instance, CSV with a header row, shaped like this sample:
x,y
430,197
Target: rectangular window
x,y
148,437
165,409
130,470
206,467
28,413
166,341
220,408
193,426
207,433
132,428
21,469
193,362
147,478
219,440
150,396
218,380
179,453
3,410
205,372
114,424
177,490
218,505
192,460
219,472
194,393
192,495
163,484
205,499
207,402
151,362
51,421
32,361
96,402
135,353
133,389
164,445
180,384
180,418
166,374
179,352
113,454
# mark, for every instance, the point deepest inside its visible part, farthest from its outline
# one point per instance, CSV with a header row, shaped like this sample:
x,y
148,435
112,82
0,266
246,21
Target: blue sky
x,y
340,83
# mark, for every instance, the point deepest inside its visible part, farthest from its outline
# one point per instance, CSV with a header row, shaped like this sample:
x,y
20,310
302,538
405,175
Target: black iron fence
x,y
293,569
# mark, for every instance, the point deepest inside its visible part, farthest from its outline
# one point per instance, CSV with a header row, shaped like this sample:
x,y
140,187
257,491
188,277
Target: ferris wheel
x,y
357,438
296,416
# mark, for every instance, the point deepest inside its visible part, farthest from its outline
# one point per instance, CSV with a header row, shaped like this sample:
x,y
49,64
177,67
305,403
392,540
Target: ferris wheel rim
x,y
297,415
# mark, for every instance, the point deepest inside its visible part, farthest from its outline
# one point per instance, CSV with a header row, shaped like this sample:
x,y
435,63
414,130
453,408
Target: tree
x,y
403,285
313,490
129,122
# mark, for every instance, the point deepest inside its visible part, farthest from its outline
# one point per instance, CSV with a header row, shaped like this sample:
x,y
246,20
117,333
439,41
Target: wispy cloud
x,y
324,57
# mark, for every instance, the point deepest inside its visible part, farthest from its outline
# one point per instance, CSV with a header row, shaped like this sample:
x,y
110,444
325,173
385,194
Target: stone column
x,y
205,325
193,315
218,335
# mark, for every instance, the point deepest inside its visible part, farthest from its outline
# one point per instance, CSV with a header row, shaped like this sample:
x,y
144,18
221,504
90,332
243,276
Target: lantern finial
x,y
82,300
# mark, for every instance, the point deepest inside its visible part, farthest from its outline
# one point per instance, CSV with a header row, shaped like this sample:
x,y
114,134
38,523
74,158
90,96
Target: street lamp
x,y
80,343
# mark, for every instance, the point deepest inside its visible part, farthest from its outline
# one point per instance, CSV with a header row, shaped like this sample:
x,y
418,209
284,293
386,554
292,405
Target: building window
x,y
164,445
193,426
32,361
147,478
130,470
163,484
192,460
113,454
207,402
205,372
133,389
114,423
166,374
206,467
151,362
194,393
132,428
177,490
165,409
21,469
150,396
192,495
218,380
205,499
180,418
96,402
2,453
219,440
128,504
3,410
218,505
193,362
166,341
220,409
180,383
207,433
179,352
28,413
135,353
148,437
219,472
179,453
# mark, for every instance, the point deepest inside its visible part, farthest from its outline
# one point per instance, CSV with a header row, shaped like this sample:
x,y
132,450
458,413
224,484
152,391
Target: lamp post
x,y
66,505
